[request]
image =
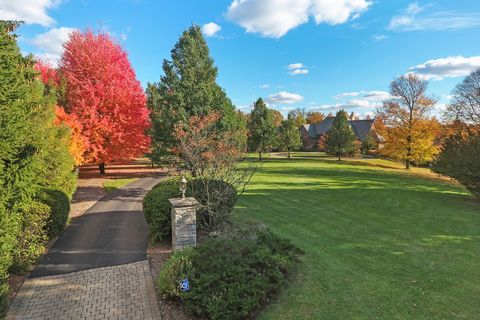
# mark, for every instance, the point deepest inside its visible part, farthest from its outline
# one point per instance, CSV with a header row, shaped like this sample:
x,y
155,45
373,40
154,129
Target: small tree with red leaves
x,y
214,159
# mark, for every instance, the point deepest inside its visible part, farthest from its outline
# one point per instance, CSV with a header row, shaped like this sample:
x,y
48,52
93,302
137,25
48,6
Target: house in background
x,y
313,134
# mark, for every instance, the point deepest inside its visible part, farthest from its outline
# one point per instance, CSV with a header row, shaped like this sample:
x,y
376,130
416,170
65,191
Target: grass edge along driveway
x,y
379,243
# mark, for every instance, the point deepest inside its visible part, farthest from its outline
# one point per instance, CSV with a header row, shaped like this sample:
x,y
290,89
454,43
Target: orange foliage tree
x,y
315,117
49,76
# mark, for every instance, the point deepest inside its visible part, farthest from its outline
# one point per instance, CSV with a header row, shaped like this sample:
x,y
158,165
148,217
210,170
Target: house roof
x,y
361,128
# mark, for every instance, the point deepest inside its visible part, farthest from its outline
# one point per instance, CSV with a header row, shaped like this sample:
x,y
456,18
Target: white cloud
x,y
284,97
379,37
295,72
414,18
245,108
368,100
376,95
274,18
297,65
346,94
297,68
210,29
29,11
364,95
437,69
265,86
51,43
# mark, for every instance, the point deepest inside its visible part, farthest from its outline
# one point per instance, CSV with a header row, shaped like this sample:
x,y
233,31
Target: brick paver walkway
x,y
118,292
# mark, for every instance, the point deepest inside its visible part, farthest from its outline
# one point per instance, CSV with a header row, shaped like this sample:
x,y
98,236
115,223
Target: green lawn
x,y
379,243
114,184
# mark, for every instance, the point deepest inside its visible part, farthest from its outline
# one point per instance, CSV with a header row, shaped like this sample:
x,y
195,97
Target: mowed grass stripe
x,y
378,242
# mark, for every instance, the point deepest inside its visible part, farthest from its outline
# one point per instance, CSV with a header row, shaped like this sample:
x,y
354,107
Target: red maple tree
x,y
106,98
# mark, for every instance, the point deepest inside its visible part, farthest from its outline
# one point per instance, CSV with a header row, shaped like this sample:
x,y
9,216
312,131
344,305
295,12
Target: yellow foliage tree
x,y
407,132
395,143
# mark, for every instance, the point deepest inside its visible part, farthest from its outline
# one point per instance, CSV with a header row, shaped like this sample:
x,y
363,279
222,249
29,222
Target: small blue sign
x,y
184,285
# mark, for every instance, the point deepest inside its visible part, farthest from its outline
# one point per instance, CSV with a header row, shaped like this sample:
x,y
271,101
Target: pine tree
x,y
340,139
261,128
289,134
188,88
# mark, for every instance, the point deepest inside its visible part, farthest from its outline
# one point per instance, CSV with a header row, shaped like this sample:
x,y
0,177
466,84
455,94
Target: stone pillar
x,y
184,223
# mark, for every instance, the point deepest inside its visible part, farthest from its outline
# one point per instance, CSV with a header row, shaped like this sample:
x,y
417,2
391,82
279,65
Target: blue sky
x,y
313,54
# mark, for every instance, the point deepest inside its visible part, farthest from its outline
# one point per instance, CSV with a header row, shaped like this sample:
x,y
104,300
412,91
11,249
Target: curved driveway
x,y
98,267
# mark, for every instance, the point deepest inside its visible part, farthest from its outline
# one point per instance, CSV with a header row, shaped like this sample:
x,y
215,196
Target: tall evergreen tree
x,y
289,134
261,128
340,139
33,150
187,88
20,98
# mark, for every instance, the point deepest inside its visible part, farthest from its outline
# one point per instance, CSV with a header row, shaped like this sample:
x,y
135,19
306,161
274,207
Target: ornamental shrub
x,y
60,208
157,209
178,267
230,278
31,240
217,199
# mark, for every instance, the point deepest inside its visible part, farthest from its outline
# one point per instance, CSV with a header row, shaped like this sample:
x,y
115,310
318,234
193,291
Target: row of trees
x,y
407,131
267,130
91,109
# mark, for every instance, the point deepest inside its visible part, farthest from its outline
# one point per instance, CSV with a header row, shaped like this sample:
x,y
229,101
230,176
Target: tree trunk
x,y
260,155
288,150
409,152
339,157
101,167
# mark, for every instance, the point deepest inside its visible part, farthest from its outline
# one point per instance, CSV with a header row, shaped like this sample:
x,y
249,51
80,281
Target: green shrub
x,y
157,209
217,199
230,278
31,240
60,208
9,226
178,267
459,159
368,144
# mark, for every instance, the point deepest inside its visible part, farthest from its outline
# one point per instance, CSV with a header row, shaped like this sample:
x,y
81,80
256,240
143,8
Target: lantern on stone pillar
x,y
183,186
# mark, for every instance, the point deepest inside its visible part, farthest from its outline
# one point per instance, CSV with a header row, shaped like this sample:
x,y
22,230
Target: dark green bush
x,y
230,278
157,209
217,199
31,240
459,159
60,208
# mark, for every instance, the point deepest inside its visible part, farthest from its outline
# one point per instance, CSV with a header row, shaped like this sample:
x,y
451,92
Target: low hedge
x,y
230,278
31,239
157,209
60,208
9,226
217,199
